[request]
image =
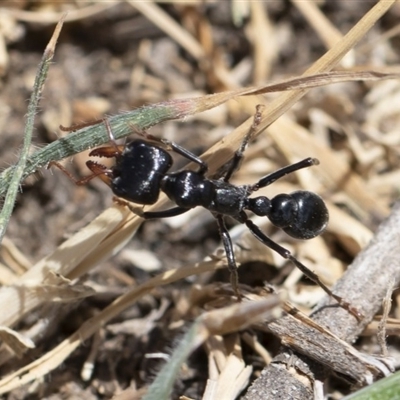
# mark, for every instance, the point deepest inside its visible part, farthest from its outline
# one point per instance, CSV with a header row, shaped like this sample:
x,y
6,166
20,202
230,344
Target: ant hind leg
x,y
256,231
280,173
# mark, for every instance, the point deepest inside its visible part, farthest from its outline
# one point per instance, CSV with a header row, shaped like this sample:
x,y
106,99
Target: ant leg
x,y
238,156
171,212
99,152
230,256
256,231
203,166
280,173
177,149
113,151
79,126
106,151
110,133
188,155
98,170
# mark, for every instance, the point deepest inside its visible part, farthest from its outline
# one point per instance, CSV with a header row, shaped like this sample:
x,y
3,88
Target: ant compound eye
x,y
310,218
284,209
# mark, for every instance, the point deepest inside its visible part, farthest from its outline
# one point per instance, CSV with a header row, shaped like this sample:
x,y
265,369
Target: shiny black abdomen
x,y
138,172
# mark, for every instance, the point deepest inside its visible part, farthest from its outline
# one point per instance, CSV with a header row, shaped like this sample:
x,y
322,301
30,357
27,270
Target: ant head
x,y
301,214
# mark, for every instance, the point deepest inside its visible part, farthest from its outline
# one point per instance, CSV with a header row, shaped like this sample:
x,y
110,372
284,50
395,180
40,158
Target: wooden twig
x,y
324,338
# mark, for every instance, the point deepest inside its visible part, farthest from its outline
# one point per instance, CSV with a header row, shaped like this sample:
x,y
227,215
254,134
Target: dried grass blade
x,y
161,19
214,322
18,170
21,299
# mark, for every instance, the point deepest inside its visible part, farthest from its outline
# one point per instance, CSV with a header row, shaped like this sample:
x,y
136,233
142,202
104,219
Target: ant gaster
x,y
141,172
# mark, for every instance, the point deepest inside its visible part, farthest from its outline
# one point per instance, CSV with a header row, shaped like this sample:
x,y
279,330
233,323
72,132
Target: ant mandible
x,y
141,173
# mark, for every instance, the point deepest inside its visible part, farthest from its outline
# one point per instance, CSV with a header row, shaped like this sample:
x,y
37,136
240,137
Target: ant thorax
x,y
228,199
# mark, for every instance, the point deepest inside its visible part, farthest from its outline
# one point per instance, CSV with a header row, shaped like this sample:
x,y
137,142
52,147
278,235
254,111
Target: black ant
x,y
141,172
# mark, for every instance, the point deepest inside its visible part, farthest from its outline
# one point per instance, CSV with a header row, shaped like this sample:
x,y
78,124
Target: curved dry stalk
x,y
50,17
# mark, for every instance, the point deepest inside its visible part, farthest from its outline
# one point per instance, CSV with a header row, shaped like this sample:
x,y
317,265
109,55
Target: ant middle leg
x,y
170,212
230,255
238,156
256,231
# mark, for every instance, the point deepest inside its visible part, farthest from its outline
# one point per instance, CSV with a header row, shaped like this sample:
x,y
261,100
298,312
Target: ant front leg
x,y
118,149
75,127
178,150
113,151
238,156
102,151
256,231
230,256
